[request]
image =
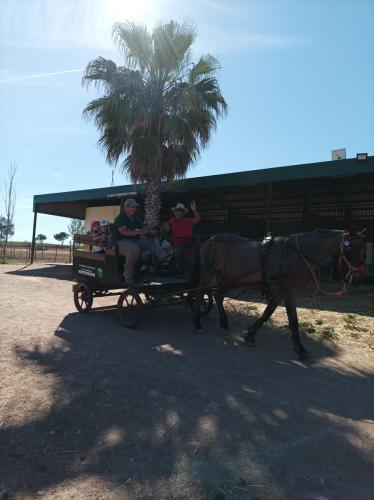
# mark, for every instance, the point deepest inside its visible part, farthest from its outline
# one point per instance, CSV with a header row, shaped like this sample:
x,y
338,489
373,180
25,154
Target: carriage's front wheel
x,y
129,307
83,297
206,303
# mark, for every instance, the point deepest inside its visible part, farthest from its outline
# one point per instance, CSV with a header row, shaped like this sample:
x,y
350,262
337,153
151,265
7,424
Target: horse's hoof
x,y
305,355
250,341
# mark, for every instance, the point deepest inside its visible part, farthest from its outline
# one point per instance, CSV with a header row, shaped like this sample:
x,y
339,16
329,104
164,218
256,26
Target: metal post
x,y
33,237
269,207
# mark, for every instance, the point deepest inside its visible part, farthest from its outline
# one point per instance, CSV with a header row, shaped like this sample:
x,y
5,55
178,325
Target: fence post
x,y
56,254
33,235
70,253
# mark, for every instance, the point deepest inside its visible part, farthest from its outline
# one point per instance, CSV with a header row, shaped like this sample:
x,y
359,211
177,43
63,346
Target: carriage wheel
x,y
83,297
129,306
206,303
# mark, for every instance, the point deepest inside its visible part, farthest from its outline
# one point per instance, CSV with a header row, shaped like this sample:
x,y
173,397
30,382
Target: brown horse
x,y
279,267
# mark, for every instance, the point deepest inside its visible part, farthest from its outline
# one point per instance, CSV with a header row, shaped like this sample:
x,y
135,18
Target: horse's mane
x,y
317,232
227,237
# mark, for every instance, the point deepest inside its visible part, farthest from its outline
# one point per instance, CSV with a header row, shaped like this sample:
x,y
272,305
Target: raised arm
x,y
196,216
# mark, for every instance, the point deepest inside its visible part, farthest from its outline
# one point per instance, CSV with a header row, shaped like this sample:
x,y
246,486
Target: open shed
x,y
332,194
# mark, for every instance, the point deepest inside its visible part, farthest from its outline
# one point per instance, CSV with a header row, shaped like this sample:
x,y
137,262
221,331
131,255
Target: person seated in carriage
x,y
181,226
132,239
99,234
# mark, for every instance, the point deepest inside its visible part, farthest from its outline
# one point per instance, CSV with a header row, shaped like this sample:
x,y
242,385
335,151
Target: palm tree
x,y
159,110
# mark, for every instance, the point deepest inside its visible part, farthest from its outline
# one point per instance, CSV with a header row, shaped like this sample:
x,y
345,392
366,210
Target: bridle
x,y
351,268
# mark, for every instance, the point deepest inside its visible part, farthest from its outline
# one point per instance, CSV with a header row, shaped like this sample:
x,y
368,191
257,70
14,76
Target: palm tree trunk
x,y
152,204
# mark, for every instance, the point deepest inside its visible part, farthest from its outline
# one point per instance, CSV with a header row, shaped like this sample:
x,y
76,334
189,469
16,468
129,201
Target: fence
x,y
21,253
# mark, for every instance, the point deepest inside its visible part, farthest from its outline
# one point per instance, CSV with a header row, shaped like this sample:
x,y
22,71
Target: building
x,y
333,194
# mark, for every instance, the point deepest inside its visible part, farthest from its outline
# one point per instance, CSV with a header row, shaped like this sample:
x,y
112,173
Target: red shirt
x,y
181,230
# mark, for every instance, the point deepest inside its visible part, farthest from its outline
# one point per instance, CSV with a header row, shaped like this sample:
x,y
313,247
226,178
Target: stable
x,y
333,194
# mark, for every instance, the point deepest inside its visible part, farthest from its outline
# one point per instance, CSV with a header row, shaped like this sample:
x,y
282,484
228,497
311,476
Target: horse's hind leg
x,y
252,329
223,321
294,327
196,312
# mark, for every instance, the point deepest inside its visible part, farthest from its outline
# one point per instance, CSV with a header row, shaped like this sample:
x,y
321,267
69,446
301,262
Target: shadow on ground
x,y
54,271
166,414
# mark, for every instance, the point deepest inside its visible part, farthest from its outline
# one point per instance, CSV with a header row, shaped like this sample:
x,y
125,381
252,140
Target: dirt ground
x,y
91,410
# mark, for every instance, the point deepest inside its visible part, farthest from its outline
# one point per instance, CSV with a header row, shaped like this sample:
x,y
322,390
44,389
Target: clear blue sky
x,y
298,77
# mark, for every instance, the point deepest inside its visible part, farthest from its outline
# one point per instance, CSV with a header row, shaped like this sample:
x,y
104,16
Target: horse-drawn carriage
x,y
278,266
166,283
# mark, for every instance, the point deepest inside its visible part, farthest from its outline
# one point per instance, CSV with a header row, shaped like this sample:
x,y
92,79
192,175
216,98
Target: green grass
x,y
307,327
351,323
319,321
328,333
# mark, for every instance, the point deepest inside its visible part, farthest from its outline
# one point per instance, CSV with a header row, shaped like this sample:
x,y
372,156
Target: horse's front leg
x,y
223,321
196,300
294,326
252,329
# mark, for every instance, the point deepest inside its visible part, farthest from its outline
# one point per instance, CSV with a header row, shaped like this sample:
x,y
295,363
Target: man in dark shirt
x,y
132,239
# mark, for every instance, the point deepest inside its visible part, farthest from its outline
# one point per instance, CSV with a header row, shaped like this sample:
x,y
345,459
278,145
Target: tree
x,y
76,226
5,228
41,237
61,237
159,111
9,198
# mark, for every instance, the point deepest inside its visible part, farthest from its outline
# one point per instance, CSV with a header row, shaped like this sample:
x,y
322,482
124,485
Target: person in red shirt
x,y
181,226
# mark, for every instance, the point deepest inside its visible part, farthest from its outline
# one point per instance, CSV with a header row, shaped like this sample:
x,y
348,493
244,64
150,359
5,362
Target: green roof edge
x,y
335,168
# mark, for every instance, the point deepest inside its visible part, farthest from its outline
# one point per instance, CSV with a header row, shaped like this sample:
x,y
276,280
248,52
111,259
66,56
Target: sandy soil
x,y
94,411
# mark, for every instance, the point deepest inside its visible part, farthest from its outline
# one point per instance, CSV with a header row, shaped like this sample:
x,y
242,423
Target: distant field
x,y
20,252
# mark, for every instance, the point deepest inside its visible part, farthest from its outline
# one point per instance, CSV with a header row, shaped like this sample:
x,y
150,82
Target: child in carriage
x,y
100,233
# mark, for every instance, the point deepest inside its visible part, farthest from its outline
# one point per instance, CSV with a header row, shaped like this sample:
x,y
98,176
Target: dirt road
x,y
90,410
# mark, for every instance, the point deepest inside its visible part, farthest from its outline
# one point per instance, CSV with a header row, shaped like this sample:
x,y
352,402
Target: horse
x,y
279,266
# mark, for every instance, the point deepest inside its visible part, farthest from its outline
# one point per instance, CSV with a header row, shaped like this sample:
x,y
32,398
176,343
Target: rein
x,y
307,260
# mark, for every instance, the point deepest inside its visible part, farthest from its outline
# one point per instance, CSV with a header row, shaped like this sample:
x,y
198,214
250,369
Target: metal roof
x,y
74,203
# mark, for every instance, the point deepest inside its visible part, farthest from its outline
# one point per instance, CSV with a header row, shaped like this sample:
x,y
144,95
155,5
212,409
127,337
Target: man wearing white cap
x,y
131,239
181,226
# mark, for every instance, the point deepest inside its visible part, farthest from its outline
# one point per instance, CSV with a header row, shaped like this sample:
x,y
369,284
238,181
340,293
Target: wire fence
x,y
21,253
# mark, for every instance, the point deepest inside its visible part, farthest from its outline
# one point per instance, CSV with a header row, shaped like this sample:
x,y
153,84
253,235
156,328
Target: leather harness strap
x,y
314,276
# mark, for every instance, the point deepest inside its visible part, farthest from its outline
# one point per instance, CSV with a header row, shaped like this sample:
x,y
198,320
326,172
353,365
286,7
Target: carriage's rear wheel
x,y
206,303
83,297
129,307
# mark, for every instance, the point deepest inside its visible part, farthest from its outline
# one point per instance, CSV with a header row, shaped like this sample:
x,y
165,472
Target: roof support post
x,y
269,207
33,236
